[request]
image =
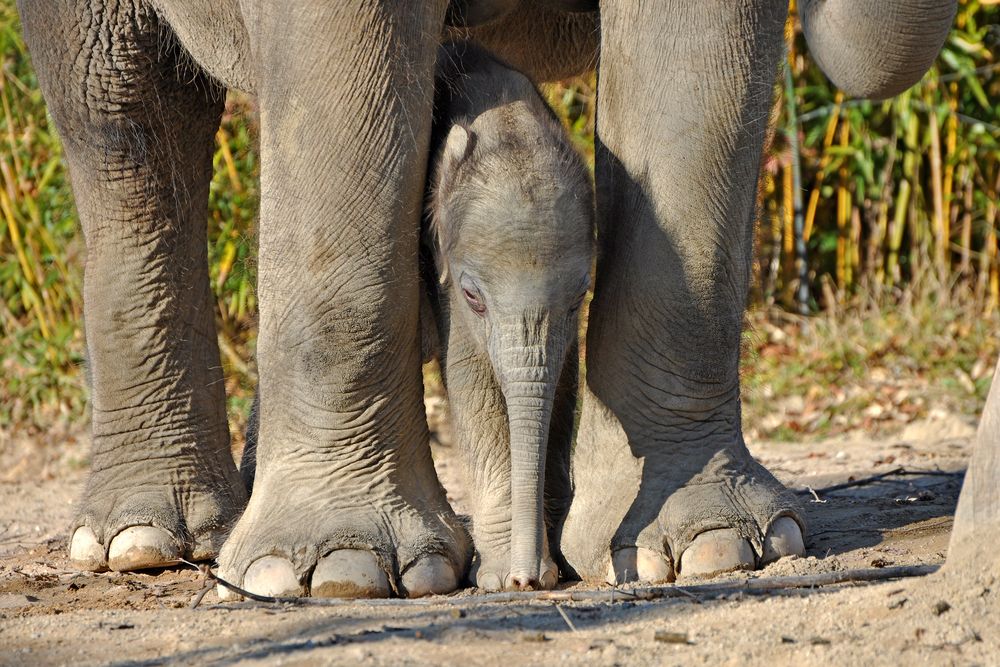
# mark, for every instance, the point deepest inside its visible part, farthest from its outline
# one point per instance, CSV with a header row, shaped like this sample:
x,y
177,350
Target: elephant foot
x,y
490,571
354,540
676,511
148,514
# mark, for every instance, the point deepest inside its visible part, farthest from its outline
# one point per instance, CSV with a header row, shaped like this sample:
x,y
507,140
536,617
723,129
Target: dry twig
x,y
699,592
896,472
565,617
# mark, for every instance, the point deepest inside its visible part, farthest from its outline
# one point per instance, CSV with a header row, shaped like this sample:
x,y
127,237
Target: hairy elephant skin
x,y
345,500
510,237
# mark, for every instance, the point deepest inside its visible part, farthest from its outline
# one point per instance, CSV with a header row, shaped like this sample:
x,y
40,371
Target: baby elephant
x,y
508,243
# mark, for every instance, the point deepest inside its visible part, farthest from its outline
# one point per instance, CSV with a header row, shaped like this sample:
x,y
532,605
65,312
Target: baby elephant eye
x,y
475,302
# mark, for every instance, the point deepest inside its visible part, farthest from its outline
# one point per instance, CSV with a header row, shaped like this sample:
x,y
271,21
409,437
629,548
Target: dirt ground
x,y
50,614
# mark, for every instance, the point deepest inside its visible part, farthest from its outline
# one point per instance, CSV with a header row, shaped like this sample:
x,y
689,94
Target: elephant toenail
x,y
272,576
623,567
715,552
489,582
784,538
350,573
549,579
431,575
653,566
638,564
86,552
142,547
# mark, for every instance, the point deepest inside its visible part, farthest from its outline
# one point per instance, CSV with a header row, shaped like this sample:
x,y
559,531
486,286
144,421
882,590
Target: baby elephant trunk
x,y
529,390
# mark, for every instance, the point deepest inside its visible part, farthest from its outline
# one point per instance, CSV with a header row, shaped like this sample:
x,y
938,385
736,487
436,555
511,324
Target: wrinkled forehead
x,y
526,224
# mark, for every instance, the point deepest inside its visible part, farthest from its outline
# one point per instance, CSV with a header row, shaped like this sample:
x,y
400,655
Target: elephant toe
x,y
492,573
716,552
86,552
639,564
489,581
143,547
549,578
350,573
784,538
272,576
430,575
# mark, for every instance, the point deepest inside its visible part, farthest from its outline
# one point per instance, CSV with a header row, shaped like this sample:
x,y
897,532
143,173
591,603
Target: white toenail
x,y
140,547
85,551
431,575
623,567
652,566
715,552
350,573
784,538
272,576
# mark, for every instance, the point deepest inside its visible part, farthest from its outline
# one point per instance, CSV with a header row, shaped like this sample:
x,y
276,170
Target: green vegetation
x,y
900,223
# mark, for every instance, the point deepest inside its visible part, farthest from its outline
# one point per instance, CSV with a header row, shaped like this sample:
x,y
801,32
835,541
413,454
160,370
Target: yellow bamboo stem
x,y
950,146
879,239
965,258
788,237
940,225
831,130
896,236
227,156
843,218
8,116
28,290
991,252
855,244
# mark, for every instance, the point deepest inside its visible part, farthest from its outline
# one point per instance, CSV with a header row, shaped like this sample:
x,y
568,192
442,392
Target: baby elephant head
x,y
514,224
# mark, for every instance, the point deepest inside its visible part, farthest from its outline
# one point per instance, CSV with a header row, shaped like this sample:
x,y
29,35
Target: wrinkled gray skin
x,y
345,500
510,240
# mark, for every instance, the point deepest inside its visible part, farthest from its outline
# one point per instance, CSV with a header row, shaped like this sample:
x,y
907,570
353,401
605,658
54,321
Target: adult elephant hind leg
x,y
663,480
138,129
345,499
972,550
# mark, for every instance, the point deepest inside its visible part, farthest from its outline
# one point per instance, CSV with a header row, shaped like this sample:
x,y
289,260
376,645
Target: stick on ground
x,y
699,592
896,472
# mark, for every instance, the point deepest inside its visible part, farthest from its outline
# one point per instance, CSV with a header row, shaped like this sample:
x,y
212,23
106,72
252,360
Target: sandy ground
x,y
50,614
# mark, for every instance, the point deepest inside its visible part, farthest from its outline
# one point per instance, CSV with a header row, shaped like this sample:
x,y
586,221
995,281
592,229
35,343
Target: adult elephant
x,y
345,501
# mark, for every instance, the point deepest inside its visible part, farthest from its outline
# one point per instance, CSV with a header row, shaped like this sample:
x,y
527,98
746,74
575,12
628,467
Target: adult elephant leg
x,y
345,499
663,481
137,126
977,520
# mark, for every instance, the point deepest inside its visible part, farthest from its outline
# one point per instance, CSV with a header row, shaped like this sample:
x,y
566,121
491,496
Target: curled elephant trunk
x,y
875,48
529,390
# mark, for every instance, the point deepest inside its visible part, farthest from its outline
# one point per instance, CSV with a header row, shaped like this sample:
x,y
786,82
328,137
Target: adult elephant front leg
x,y
137,124
664,484
345,499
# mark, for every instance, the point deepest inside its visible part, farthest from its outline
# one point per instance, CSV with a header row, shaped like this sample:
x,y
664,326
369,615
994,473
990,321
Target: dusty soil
x,y
50,614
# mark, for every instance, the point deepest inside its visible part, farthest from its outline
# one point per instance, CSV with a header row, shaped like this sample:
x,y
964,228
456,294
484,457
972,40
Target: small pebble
x,y
670,637
940,607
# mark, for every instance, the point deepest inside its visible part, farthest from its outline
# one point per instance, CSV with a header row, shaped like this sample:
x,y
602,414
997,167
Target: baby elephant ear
x,y
458,147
